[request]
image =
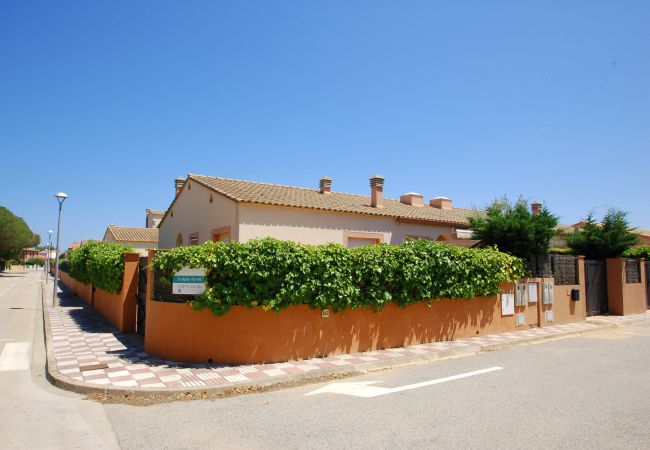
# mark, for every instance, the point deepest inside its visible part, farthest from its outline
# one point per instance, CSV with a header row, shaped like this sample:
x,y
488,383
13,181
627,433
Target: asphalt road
x,y
591,391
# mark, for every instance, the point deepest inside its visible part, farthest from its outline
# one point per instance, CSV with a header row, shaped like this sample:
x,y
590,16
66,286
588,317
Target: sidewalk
x,y
86,354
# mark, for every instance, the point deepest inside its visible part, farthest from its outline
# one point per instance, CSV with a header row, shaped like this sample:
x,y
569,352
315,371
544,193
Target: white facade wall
x,y
320,227
193,213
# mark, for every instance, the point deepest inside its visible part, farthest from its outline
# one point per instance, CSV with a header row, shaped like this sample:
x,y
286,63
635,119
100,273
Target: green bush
x,y
274,274
99,263
35,262
560,251
642,251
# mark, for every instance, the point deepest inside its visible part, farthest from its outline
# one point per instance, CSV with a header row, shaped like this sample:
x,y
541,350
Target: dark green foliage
x,y
274,274
639,252
609,239
99,263
514,229
35,262
15,235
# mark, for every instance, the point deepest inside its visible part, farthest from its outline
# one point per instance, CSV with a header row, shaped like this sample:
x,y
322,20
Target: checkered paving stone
x,y
89,349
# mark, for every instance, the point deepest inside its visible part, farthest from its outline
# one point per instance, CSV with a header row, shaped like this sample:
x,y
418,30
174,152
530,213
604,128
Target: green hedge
x,y
99,263
642,251
35,262
274,274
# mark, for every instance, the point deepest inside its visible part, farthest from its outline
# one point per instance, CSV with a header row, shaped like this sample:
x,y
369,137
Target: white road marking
x,y
15,356
364,388
7,290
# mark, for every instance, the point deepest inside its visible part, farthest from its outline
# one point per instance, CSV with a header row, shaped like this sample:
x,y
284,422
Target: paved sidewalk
x,y
85,354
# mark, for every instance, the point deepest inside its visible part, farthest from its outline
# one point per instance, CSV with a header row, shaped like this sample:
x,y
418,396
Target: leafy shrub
x,y
560,251
608,239
35,262
274,274
99,263
642,251
513,229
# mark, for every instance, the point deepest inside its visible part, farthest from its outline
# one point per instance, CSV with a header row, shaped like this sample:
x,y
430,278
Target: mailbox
x,y
575,294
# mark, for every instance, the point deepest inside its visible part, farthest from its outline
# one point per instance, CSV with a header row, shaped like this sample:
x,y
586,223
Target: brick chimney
x,y
412,198
377,191
441,203
178,184
325,185
536,208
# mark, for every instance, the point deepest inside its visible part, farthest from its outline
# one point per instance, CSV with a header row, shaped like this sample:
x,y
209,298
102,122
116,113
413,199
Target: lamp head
x,y
61,196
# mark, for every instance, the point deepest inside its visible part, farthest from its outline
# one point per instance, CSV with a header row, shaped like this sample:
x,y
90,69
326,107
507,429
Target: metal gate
x,y
142,295
647,283
596,278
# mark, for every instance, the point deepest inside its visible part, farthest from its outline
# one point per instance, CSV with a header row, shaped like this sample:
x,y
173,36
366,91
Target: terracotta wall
x,y
120,309
624,298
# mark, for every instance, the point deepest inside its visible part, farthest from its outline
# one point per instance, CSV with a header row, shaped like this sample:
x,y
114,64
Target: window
x,y
194,239
360,239
221,234
417,238
179,240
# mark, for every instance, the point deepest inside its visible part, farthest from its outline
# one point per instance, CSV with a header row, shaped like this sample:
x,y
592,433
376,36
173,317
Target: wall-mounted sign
x,y
189,281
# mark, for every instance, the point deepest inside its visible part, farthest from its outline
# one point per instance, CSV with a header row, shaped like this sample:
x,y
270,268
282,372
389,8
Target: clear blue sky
x,y
110,101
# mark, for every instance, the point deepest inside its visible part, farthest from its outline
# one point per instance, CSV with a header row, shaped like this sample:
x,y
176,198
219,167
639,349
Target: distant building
x,y
141,239
29,253
153,218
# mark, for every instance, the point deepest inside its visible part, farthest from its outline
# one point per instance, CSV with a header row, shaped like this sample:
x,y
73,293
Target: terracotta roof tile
x,y
278,195
133,234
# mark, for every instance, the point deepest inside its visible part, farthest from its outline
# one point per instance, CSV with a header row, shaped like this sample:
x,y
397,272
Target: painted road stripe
x,y
15,356
364,388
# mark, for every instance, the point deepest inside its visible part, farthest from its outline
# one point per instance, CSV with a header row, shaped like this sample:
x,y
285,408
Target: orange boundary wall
x,y
246,336
120,309
624,298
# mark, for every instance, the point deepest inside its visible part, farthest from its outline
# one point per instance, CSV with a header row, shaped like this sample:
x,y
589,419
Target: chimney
x,y
325,185
178,184
412,198
441,203
377,191
536,208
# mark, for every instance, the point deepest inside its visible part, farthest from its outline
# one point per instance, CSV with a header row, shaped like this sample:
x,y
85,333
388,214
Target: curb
x,y
234,388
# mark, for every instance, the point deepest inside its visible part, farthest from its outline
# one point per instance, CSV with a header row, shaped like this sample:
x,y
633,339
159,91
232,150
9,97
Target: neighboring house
x,y
153,218
222,209
75,245
29,253
141,239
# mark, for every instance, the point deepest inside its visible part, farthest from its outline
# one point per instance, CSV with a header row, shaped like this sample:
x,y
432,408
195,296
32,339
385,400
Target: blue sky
x,y
110,101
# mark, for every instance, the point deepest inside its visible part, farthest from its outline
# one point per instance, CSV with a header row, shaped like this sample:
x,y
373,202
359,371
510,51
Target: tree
x,y
15,235
608,239
514,229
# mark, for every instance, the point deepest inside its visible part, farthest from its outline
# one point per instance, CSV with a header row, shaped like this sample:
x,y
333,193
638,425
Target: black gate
x,y
142,295
647,283
596,277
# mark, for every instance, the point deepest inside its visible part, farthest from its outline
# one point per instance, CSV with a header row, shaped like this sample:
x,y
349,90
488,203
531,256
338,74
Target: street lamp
x,y
49,255
60,198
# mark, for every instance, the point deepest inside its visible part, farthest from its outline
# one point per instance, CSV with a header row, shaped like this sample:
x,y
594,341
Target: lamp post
x,y
49,255
60,198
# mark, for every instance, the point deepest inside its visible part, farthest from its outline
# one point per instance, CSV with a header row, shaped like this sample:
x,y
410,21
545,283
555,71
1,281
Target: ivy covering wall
x,y
99,263
274,274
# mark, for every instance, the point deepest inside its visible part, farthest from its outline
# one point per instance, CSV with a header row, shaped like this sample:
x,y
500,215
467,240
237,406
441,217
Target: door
x,y
142,296
596,278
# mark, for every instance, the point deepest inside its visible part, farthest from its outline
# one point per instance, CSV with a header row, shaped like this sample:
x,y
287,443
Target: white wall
x,y
193,213
318,227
